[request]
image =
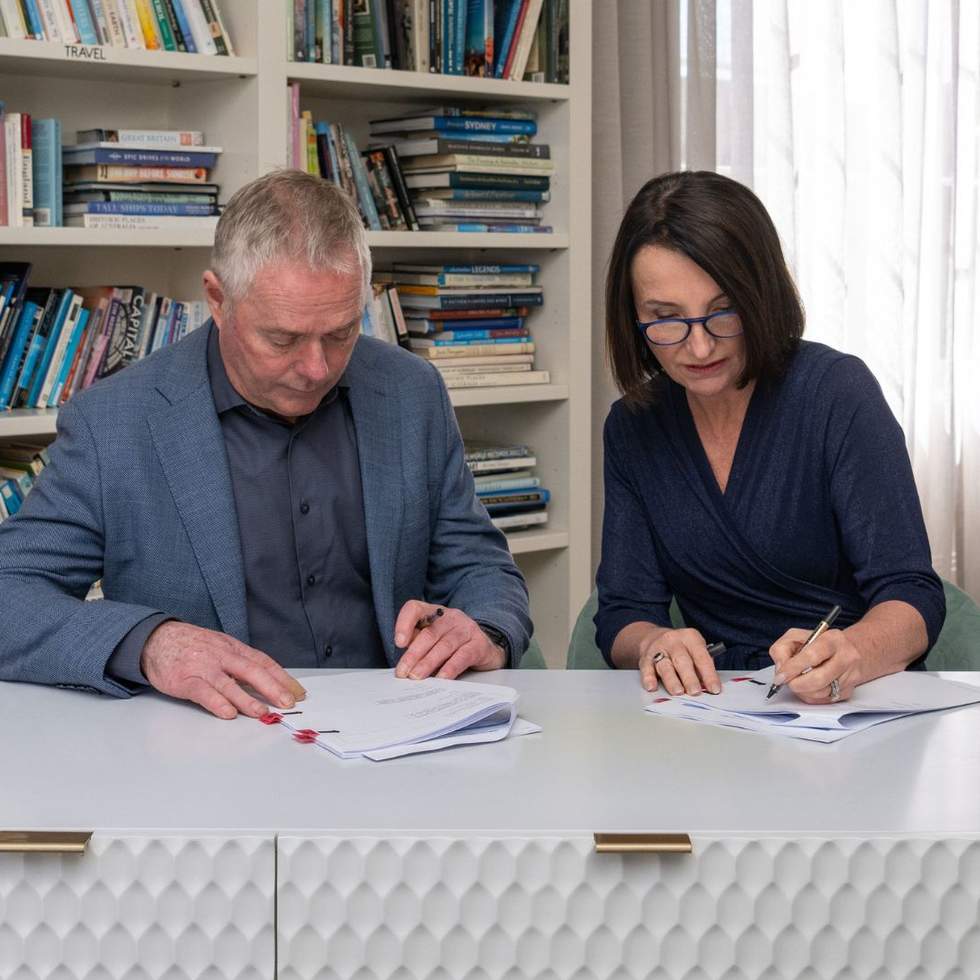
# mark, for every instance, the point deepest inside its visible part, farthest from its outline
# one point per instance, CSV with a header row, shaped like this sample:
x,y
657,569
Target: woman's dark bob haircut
x,y
723,227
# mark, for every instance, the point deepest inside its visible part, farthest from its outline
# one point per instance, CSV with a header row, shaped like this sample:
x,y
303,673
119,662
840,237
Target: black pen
x,y
428,620
716,649
819,630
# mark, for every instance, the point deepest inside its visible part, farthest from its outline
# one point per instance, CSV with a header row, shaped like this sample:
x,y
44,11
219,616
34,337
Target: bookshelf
x,y
240,103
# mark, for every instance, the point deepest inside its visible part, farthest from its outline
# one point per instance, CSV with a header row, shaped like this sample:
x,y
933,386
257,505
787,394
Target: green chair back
x,y
583,654
957,648
958,645
533,658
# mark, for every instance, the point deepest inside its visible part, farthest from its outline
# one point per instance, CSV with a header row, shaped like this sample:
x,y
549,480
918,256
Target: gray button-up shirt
x,y
300,510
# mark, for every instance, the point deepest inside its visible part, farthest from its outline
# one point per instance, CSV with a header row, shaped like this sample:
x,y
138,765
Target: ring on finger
x,y
658,656
835,690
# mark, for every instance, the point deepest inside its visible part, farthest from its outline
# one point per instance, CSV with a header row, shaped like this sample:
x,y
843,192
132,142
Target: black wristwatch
x,y
497,637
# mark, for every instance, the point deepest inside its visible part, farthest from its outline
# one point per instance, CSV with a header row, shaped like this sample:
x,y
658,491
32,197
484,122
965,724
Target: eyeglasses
x,y
676,329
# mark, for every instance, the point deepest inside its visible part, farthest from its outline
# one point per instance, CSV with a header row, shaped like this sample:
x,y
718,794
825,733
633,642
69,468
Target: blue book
x,y
46,140
68,359
465,327
364,194
34,23
453,124
11,496
519,500
535,197
50,344
83,21
478,26
15,353
504,29
459,35
139,207
456,337
469,341
185,25
112,153
323,129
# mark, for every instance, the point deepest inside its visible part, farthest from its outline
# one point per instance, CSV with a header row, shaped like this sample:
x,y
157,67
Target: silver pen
x,y
818,631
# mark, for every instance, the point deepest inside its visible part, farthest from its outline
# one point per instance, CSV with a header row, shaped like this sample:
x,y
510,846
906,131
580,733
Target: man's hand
x,y
451,644
203,666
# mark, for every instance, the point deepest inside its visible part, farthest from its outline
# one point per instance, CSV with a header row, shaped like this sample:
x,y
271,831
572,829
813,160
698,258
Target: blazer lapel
x,y
187,438
378,427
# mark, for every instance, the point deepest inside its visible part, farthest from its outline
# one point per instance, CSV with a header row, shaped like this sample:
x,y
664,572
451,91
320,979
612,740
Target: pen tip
x,y
772,690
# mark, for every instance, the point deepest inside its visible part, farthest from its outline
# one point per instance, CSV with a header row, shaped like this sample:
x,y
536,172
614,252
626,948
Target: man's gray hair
x,y
288,215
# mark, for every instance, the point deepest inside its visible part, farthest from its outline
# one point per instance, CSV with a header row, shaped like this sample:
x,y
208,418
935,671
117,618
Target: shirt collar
x,y
226,396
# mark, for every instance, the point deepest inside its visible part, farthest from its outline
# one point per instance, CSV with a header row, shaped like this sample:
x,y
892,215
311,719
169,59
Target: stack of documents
x,y
742,704
379,716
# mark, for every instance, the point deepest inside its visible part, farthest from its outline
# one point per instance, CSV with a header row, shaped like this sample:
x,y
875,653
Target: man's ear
x,y
215,294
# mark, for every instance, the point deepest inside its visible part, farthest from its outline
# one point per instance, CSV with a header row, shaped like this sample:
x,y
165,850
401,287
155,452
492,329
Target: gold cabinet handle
x,y
44,841
643,844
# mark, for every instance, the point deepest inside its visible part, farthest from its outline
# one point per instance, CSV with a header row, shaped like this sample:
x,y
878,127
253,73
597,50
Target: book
x,y
47,177
104,173
475,449
445,336
452,370
120,154
140,222
429,344
474,180
466,300
497,379
141,197
138,191
30,314
138,208
452,124
521,479
488,227
509,500
457,279
470,162
487,194
441,146
503,465
158,139
481,361
513,522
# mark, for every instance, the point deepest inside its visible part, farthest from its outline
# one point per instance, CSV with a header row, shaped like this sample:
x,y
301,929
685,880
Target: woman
x,y
756,478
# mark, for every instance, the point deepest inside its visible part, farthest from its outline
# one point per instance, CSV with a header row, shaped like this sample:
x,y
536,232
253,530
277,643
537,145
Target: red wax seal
x,y
270,718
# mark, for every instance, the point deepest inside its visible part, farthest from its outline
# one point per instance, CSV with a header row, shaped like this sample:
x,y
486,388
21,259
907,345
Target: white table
x,y
224,849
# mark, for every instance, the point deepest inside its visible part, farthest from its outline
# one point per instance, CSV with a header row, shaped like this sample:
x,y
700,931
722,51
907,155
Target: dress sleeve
x,y
874,498
630,583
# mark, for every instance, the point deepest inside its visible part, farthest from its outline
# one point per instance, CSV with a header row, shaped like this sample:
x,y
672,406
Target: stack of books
x,y
56,341
515,39
194,26
506,484
471,169
383,317
139,179
20,466
470,320
372,178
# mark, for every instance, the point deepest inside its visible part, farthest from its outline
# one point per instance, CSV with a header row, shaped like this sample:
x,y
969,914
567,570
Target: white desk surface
x,y
71,760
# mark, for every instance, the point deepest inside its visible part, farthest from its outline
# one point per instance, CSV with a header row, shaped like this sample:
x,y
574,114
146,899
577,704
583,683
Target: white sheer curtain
x,y
857,124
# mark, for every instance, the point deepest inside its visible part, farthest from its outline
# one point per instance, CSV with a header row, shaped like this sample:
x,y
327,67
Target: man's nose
x,y
314,365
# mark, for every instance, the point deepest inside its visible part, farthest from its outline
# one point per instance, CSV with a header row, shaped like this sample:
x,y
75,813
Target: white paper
x,y
374,711
521,726
742,704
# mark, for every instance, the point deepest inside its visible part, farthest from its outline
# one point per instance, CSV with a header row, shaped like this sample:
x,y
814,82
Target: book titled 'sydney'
x,y
374,715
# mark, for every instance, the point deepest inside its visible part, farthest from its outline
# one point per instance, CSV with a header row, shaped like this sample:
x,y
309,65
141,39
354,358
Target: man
x,y
273,491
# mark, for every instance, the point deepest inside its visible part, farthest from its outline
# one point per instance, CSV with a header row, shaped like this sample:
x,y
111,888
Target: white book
x,y
224,30
483,360
15,173
512,481
49,20
129,18
144,222
498,379
375,715
13,19
516,521
502,465
117,37
203,40
452,371
66,23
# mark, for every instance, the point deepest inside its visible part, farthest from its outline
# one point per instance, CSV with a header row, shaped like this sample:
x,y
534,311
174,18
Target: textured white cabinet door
x,y
142,907
774,908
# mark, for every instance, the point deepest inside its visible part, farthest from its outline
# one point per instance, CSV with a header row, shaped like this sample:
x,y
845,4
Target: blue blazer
x,y
138,493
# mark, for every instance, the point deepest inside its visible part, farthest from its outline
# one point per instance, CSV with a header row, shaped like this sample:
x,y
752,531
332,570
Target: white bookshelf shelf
x,y
107,238
462,239
507,395
530,541
96,62
386,85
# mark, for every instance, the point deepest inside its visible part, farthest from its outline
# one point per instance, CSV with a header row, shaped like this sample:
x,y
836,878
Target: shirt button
x,y
311,580
304,507
328,651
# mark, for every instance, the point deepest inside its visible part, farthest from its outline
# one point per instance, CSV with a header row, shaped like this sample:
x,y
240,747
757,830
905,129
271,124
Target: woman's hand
x,y
678,659
828,670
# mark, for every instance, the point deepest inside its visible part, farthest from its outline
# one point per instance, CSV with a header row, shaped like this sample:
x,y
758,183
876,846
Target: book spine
x,y
214,26
49,20
322,32
69,358
376,193
13,19
17,351
509,25
141,208
156,139
60,343
184,24
50,343
203,40
398,179
337,32
87,33
27,170
360,179
129,19
379,166
46,138
160,16
140,158
101,21
8,190
116,33
174,25
66,22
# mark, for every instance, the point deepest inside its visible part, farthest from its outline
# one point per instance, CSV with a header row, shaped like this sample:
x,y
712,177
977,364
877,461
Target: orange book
x,y
148,25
